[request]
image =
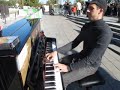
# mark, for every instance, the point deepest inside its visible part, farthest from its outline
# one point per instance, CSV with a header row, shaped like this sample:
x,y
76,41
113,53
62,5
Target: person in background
x,y
118,12
96,36
43,9
51,10
74,10
65,9
79,7
68,8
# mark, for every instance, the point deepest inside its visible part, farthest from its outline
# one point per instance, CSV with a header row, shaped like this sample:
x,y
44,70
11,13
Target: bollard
x,y
1,27
15,15
4,17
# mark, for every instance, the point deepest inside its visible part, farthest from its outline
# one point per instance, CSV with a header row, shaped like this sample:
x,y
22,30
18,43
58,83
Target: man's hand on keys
x,y
50,56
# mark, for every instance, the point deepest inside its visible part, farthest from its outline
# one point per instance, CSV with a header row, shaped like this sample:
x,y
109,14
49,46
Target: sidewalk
x,y
108,19
111,20
12,18
22,14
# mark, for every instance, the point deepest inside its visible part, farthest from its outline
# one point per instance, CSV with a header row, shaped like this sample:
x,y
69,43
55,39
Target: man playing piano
x,y
96,36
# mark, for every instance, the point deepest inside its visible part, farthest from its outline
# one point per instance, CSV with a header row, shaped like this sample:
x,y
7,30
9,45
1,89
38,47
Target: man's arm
x,y
71,45
65,48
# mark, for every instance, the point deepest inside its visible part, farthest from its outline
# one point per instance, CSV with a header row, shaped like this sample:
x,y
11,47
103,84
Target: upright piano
x,y
23,67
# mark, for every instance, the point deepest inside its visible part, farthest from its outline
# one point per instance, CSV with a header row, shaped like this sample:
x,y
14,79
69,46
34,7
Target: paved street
x,y
12,18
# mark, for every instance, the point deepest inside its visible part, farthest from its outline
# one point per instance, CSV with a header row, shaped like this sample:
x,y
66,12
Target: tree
x,y
8,2
34,3
12,2
52,1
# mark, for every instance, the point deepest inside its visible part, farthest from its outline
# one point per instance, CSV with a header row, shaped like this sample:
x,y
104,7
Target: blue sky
x,y
43,1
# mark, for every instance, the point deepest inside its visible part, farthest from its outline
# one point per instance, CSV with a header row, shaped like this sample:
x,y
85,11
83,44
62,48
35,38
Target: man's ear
x,y
101,11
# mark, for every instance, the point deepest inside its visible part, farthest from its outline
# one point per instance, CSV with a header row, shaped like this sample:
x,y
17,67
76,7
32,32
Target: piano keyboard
x,y
53,79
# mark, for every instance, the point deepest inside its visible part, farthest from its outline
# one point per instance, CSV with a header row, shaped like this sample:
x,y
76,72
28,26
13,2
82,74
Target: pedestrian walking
x,y
118,13
74,10
79,7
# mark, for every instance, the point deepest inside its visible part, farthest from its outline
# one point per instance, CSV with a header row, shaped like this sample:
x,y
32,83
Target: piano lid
x,y
8,42
23,29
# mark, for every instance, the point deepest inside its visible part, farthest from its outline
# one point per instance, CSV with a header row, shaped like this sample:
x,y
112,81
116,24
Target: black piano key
x,y
48,47
49,68
50,89
49,73
49,43
50,64
50,78
50,84
49,50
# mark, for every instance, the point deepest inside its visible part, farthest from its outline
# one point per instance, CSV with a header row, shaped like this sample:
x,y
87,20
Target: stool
x,y
92,80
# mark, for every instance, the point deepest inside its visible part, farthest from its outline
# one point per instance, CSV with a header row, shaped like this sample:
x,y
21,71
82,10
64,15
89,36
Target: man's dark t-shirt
x,y
96,36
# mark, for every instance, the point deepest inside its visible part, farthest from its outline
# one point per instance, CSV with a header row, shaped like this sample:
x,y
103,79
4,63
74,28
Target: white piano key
x,y
58,78
50,75
49,63
48,66
49,71
56,74
49,81
50,87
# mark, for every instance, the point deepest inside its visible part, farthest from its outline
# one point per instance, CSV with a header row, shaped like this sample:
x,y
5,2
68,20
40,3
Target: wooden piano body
x,y
15,64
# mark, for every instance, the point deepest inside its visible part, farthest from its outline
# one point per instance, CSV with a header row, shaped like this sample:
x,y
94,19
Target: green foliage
x,y
52,2
12,2
34,3
9,3
4,2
